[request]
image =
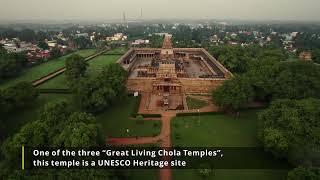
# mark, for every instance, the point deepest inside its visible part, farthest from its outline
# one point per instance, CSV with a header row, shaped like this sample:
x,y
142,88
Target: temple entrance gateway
x,y
166,89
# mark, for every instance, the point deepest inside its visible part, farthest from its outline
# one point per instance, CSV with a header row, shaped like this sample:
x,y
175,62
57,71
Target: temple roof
x,y
167,44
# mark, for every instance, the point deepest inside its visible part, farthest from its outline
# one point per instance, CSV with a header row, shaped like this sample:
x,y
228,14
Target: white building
x,y
140,42
117,37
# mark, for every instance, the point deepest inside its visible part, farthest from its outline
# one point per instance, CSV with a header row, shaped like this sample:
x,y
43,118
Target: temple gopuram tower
x,y
167,48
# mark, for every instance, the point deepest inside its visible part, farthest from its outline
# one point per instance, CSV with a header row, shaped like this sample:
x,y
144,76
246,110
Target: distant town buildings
x,y
15,46
117,37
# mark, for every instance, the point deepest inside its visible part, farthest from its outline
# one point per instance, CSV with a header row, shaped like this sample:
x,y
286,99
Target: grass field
x,y
95,66
116,120
43,69
216,130
117,51
222,131
195,103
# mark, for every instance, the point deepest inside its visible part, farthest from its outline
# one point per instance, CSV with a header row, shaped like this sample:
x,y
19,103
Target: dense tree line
x,y
82,42
238,59
67,124
57,126
12,100
156,41
17,96
289,127
307,41
267,77
234,94
11,64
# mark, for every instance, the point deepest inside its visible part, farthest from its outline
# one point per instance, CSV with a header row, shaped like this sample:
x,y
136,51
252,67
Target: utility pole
x,y
141,14
124,18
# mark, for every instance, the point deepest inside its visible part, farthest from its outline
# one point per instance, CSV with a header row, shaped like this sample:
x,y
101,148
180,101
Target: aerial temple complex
x,y
166,75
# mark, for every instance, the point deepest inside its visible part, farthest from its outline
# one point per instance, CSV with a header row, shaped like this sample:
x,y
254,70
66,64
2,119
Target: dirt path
x,y
164,138
166,174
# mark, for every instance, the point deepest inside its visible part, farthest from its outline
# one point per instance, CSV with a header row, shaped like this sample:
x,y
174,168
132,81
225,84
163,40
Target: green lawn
x,y
58,82
95,66
116,120
118,51
222,131
43,69
195,103
216,130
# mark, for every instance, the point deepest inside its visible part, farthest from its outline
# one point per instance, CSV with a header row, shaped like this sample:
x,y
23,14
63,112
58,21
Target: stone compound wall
x,y
199,85
140,84
189,85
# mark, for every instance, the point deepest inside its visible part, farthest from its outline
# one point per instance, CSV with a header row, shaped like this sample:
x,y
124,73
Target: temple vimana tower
x,y
164,76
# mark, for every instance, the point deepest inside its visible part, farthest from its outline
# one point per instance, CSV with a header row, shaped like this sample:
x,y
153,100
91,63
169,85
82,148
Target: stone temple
x,y
164,76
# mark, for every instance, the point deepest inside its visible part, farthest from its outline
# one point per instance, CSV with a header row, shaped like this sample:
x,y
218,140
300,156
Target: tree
x,y
93,96
275,141
97,93
82,42
55,113
81,117
27,35
75,68
316,56
17,96
290,128
156,41
234,58
81,131
275,42
302,173
233,94
33,134
205,170
43,45
116,76
296,80
55,52
11,64
261,76
2,50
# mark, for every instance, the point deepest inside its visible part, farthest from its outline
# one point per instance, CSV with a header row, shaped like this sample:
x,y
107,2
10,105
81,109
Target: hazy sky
x,y
157,9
